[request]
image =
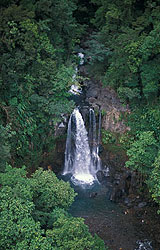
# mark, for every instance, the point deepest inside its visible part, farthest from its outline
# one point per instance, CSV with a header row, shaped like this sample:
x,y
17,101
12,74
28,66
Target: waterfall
x,y
81,158
94,140
99,131
92,130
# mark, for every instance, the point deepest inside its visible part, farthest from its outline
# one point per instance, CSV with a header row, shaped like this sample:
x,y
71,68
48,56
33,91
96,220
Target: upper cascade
x,y
75,87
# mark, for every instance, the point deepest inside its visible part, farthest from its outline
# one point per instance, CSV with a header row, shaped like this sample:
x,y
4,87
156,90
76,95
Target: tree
x,y
35,78
49,193
17,228
129,28
5,134
33,213
154,181
142,153
71,233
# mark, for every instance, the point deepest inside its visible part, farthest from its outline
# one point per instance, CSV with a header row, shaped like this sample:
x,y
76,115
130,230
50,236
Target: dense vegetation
x,y
125,54
38,40
34,213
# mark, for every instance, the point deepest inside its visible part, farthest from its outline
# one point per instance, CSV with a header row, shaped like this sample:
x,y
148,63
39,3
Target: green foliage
x,y
154,181
25,203
129,30
71,233
12,176
5,134
98,54
150,78
48,193
35,77
142,152
63,29
142,144
16,224
126,140
145,118
108,137
127,94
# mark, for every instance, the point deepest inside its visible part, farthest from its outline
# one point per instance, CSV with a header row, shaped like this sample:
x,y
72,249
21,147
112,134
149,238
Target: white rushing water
x,y
81,160
144,245
93,140
75,87
81,56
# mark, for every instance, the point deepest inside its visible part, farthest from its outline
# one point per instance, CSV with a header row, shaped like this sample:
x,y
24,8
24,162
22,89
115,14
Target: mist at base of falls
x,y
81,155
82,179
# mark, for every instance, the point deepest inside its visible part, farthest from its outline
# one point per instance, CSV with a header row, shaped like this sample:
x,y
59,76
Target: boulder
x,y
93,195
100,176
142,204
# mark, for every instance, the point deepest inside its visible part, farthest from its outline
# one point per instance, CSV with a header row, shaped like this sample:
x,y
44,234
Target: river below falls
x,y
116,225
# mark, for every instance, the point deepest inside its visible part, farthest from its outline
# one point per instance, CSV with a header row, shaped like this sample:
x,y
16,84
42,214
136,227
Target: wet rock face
x,y
112,122
106,99
54,160
121,186
102,178
93,195
120,181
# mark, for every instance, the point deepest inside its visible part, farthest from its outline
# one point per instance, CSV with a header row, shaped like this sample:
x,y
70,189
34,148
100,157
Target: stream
x,y
120,227
115,225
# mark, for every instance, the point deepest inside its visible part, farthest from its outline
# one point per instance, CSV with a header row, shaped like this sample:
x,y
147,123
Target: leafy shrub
x,y
33,215
108,137
154,181
142,152
71,233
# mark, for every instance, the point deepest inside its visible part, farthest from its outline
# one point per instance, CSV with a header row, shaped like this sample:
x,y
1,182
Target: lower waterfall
x,y
81,154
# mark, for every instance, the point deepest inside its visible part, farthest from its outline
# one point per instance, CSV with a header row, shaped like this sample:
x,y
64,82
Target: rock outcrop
x,y
107,100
